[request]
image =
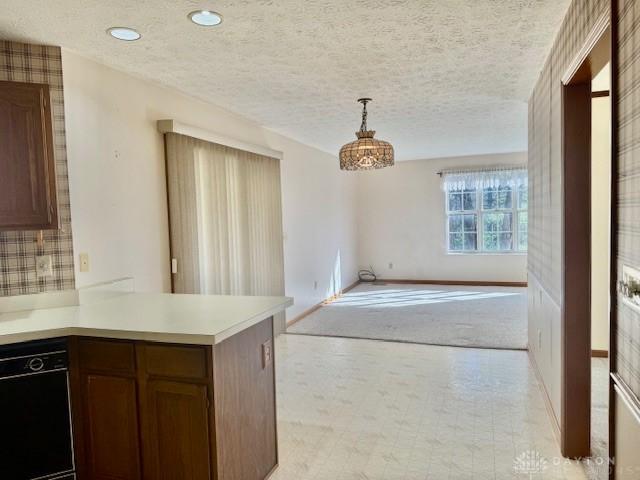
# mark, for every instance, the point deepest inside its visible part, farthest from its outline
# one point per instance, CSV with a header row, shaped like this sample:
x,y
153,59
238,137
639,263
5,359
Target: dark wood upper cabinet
x,y
27,163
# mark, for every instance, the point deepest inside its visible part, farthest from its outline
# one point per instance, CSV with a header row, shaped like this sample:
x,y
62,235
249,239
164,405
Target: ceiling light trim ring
x,y
111,31
192,16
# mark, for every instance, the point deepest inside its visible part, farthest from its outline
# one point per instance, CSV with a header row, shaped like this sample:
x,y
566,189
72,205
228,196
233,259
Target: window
x,y
487,211
463,220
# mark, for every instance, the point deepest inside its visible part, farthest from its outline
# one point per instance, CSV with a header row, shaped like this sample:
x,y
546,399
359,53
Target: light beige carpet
x,y
489,317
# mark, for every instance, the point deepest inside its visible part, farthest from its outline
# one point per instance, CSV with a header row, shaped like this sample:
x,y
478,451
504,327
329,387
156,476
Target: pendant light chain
x,y
364,101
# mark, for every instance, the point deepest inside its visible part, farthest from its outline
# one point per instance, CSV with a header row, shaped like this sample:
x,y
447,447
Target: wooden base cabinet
x,y
105,409
177,436
153,411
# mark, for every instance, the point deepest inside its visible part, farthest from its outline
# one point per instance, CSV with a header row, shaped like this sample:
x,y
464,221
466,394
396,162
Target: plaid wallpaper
x,y
545,147
628,199
545,164
39,64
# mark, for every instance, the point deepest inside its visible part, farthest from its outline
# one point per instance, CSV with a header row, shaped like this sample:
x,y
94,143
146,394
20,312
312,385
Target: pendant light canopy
x,y
366,153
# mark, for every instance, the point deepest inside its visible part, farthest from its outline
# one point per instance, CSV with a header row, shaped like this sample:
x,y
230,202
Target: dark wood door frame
x,y
576,254
575,418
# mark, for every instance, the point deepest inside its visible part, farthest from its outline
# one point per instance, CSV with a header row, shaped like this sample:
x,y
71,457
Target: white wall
x,y
401,220
118,192
600,221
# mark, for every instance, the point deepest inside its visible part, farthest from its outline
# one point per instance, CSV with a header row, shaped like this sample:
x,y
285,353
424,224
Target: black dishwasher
x,y
35,420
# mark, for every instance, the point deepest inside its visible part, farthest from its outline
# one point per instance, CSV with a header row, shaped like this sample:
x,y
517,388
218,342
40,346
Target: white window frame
x,y
479,211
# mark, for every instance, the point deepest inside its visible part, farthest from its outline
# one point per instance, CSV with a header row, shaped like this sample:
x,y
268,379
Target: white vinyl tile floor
x,y
596,466
352,409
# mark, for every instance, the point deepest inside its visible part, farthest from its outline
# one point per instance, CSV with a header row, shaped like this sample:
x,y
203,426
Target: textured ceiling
x,y
448,77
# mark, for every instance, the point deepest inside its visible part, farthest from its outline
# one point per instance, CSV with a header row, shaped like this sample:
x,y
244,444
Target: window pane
x,y
469,200
470,223
490,222
470,241
505,198
489,199
505,222
505,241
497,222
455,223
522,230
455,202
523,197
522,240
498,231
523,218
490,241
497,198
456,242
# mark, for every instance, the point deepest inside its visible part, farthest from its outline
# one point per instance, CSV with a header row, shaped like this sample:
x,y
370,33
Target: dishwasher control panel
x,y
33,364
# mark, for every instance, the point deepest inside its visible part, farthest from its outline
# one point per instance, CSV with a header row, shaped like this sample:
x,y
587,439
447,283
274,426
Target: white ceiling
x,y
448,77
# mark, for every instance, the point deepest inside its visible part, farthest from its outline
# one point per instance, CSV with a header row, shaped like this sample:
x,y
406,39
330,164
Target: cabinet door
x,y
111,427
175,428
27,165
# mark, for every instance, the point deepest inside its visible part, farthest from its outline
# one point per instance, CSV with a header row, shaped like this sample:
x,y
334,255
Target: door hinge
x,y
174,265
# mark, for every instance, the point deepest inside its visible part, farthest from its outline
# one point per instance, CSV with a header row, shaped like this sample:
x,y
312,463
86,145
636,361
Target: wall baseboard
x,y
309,311
599,353
555,424
470,283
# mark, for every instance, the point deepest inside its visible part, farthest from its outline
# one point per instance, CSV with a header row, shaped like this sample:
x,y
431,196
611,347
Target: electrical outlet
x,y
315,285
390,265
44,266
84,262
267,353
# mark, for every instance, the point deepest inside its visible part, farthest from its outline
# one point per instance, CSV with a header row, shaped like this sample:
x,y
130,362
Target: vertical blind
x,y
225,217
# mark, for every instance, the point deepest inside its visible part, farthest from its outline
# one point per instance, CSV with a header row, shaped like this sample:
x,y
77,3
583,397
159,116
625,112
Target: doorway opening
x,y
600,271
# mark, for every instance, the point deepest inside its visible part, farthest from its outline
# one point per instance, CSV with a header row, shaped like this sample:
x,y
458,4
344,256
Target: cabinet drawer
x,y
107,356
174,361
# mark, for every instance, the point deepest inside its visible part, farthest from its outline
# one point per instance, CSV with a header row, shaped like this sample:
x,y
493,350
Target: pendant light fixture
x,y
366,153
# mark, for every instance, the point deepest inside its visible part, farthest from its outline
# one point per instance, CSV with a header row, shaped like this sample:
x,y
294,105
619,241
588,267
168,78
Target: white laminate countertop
x,y
161,317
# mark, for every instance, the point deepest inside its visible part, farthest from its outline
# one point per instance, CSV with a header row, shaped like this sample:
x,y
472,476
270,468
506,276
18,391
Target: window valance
x,y
478,179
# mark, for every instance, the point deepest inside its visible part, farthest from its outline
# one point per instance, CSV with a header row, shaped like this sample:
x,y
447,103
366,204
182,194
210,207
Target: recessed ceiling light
x,y
124,33
205,18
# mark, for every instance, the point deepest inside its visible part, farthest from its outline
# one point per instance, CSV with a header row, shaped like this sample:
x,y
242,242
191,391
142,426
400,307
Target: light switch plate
x,y
44,266
267,353
84,262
